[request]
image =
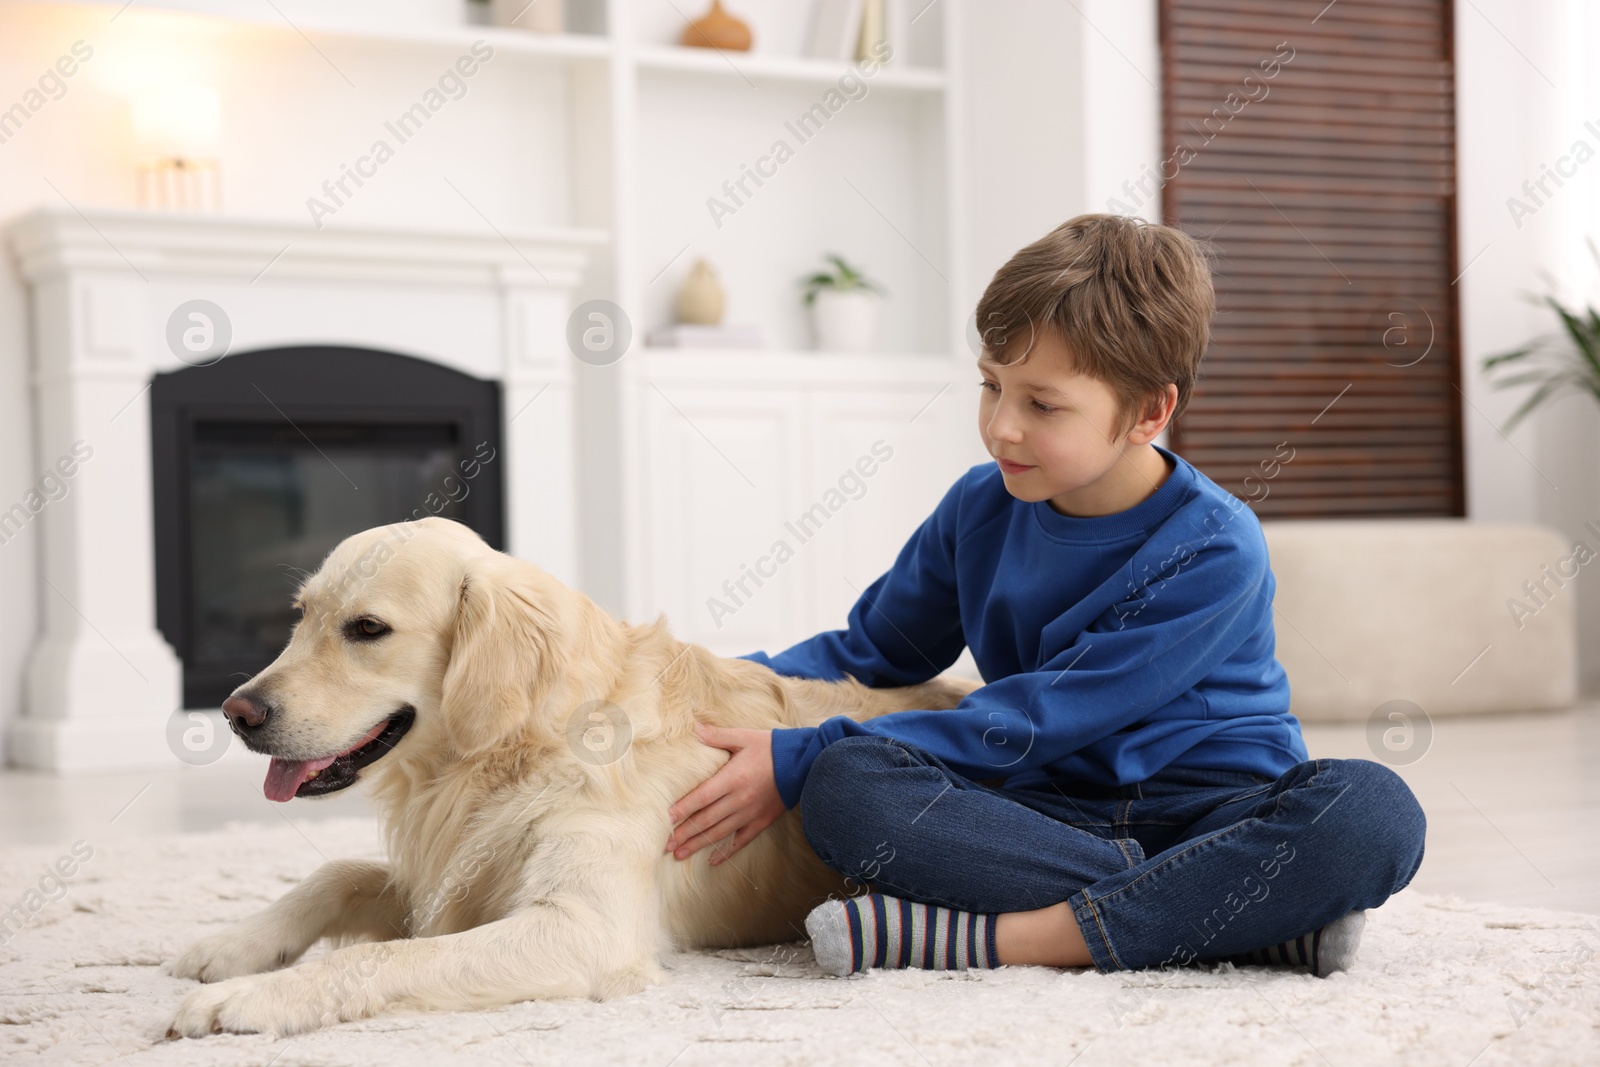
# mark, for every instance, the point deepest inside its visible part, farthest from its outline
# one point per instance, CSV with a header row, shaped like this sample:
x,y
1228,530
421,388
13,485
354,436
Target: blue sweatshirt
x,y
1112,646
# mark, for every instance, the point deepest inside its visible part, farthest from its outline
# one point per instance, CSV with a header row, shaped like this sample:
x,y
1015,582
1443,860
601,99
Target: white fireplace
x,y
102,682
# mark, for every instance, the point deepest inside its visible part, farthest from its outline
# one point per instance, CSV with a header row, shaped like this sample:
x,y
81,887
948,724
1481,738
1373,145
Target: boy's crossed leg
x,y
975,877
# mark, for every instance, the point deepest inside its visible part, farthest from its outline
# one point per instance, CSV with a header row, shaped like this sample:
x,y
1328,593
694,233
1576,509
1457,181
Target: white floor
x,y
1513,804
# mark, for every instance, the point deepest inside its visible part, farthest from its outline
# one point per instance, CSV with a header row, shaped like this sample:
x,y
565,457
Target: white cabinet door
x,y
916,439
768,507
721,474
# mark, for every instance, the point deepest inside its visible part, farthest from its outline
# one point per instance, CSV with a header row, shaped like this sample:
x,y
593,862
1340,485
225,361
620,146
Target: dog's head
x,y
412,637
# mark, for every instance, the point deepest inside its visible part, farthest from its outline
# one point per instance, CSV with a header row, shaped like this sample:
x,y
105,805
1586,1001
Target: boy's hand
x,y
736,803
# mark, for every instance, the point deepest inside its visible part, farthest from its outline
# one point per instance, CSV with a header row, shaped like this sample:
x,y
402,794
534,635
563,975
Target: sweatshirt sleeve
x,y
1130,664
904,628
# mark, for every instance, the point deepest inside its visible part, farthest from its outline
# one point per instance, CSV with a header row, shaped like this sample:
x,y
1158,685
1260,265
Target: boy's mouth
x,y
1012,468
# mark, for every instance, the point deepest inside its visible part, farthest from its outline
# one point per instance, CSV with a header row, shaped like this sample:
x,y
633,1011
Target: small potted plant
x,y
1556,362
844,307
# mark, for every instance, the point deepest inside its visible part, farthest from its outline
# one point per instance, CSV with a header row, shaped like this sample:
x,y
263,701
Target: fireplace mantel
x,y
101,681
54,242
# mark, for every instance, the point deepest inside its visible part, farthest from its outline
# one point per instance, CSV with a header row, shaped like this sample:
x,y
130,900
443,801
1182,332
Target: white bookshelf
x,y
719,449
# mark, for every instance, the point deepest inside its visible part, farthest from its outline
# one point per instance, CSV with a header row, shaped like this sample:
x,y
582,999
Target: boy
x,y
1129,789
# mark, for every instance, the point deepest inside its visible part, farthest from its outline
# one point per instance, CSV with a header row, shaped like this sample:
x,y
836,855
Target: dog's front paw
x,y
231,954
239,1005
344,987
273,1004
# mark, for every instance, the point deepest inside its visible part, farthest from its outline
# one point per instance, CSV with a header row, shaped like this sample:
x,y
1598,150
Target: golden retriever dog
x,y
522,748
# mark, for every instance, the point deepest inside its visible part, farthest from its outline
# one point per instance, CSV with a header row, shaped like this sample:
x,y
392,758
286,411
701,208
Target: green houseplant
x,y
844,306
1560,361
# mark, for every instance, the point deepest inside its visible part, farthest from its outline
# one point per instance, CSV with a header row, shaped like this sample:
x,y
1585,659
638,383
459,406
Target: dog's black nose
x,y
245,714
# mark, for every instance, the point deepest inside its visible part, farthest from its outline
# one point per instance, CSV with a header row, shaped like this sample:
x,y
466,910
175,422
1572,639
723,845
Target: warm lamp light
x,y
175,136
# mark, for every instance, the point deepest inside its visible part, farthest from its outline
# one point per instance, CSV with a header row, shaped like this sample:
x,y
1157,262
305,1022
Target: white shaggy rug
x,y
1438,981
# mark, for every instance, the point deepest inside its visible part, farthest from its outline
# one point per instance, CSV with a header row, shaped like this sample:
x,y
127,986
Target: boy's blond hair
x,y
1131,300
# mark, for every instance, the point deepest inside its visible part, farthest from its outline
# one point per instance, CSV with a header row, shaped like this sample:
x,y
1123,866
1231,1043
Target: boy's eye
x,y
1043,409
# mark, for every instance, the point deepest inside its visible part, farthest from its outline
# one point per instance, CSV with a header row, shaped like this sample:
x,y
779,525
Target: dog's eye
x,y
366,628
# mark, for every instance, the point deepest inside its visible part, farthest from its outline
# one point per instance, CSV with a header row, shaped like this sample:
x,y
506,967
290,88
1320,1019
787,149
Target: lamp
x,y
175,135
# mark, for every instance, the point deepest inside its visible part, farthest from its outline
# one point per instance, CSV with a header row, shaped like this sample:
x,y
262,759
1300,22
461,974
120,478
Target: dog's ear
x,y
499,657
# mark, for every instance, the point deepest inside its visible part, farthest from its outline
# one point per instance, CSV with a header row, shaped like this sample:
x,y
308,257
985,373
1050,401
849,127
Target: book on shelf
x,y
837,26
692,335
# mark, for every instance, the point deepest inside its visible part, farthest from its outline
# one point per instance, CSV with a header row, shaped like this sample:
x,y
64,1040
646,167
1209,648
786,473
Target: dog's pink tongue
x,y
284,776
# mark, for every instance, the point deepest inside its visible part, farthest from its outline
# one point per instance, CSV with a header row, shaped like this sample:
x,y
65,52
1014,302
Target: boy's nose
x,y
1002,429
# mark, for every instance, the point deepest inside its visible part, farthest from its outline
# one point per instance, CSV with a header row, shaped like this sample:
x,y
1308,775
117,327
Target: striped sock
x,y
1321,952
875,930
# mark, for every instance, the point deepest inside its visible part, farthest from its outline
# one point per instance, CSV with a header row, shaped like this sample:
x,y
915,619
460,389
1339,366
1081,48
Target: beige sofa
x,y
1424,610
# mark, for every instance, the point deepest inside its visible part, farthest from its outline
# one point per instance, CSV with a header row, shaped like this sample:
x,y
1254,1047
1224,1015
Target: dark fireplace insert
x,y
265,460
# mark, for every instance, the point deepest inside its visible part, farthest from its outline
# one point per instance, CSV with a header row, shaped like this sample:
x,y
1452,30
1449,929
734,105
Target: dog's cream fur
x,y
526,809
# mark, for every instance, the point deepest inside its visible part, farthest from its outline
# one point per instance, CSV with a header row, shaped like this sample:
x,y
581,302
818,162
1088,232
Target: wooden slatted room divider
x,y
1314,145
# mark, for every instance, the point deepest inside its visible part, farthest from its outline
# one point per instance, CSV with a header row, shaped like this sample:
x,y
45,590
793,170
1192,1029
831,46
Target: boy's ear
x,y
1158,411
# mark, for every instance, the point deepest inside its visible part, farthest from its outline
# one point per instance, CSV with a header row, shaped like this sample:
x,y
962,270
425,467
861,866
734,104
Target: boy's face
x,y
1051,429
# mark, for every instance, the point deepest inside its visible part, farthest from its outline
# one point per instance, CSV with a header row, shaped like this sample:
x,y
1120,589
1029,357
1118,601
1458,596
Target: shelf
x,y
572,46
750,66
755,66
736,366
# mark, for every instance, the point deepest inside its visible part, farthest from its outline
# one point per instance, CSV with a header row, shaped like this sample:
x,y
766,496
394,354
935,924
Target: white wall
x,y
1024,171
1526,86
19,610
1064,107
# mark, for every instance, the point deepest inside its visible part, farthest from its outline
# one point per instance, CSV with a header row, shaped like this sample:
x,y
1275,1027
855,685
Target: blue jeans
x,y
1189,865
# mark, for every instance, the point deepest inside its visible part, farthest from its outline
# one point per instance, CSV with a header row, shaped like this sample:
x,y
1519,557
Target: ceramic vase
x,y
701,299
845,320
717,29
